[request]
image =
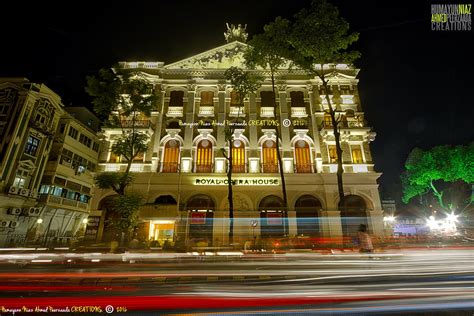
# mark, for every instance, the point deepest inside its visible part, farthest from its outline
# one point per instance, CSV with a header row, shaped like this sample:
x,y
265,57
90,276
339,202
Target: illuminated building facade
x,y
34,129
183,174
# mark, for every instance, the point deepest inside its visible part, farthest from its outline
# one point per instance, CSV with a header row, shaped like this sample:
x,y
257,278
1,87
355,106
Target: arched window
x,y
266,98
271,217
269,156
353,213
238,156
234,98
200,208
327,120
176,98
207,98
307,209
204,156
297,99
170,156
302,157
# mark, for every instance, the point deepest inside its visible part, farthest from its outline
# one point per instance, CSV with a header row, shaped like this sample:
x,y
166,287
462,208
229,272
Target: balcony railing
x,y
270,168
304,168
267,111
298,112
205,110
236,111
347,99
203,168
169,167
62,201
136,123
175,111
239,168
345,124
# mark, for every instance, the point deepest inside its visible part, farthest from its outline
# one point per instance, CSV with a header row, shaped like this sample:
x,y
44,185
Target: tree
x,y
428,171
243,84
123,100
266,50
320,38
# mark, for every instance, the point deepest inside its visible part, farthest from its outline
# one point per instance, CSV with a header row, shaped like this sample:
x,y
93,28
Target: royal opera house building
x,y
182,176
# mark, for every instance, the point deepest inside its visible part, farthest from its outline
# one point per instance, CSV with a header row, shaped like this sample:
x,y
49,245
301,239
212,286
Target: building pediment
x,y
222,57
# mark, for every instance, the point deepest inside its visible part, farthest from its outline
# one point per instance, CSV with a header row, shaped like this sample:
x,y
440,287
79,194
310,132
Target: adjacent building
x,y
33,146
182,175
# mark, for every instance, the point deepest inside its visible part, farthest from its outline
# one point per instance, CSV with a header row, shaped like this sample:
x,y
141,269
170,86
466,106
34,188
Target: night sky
x,y
416,84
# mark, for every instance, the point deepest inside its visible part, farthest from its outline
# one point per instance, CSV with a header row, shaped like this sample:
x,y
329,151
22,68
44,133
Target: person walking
x,y
365,241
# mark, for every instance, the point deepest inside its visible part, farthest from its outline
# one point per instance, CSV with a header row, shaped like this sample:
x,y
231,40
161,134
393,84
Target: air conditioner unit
x,y
4,224
13,224
34,211
34,194
25,192
14,190
14,211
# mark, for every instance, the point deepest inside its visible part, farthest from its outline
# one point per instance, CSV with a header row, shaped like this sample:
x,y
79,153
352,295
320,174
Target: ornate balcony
x,y
299,112
175,111
304,168
203,168
267,111
236,111
270,168
169,167
206,110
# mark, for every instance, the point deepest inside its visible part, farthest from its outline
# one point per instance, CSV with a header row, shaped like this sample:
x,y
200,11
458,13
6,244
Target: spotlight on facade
x,y
389,219
84,221
39,221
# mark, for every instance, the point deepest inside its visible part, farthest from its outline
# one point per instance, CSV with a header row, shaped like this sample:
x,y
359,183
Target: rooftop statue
x,y
236,33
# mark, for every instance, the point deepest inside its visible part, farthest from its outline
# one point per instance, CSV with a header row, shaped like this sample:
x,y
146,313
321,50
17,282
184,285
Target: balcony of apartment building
x,y
266,103
63,202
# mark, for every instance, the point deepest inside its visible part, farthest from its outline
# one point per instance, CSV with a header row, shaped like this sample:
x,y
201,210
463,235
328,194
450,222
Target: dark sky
x,y
416,84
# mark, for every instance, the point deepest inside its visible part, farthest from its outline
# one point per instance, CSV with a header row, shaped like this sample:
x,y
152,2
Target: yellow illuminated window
x,y
234,98
114,157
139,157
204,156
238,156
207,98
357,155
327,120
171,156
269,155
302,157
332,153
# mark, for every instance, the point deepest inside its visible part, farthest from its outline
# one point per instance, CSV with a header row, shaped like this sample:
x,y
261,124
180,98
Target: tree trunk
x,y
337,137
280,164
230,194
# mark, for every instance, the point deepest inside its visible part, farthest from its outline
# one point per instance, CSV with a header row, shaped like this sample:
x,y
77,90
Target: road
x,y
437,281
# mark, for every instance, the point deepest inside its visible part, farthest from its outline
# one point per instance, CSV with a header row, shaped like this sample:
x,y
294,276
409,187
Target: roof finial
x,y
236,33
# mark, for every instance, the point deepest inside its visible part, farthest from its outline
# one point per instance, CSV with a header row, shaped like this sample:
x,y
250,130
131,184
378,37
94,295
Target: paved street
x,y
399,281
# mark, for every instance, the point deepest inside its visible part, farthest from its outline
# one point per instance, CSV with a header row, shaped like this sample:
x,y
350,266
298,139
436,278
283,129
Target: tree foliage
x,y
425,169
243,83
267,51
320,37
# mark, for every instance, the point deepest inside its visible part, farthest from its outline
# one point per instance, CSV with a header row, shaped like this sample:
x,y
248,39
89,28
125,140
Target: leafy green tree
x,y
319,39
428,171
243,83
124,100
266,50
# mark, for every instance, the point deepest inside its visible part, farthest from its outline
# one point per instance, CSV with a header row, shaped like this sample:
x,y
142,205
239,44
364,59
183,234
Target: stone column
x,y
221,116
160,92
189,118
314,132
253,136
292,224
